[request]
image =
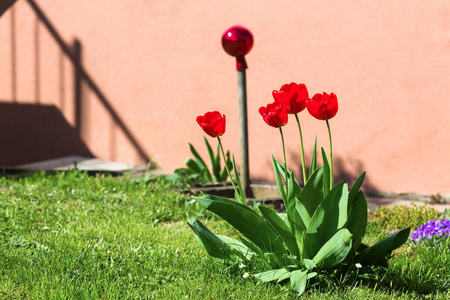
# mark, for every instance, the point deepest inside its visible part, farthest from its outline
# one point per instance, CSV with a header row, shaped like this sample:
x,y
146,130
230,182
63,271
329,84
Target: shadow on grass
x,y
379,280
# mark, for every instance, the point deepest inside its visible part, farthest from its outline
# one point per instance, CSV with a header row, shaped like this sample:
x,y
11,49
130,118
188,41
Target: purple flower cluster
x,y
432,229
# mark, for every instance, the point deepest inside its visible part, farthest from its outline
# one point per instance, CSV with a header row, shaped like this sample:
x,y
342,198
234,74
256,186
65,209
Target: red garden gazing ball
x,y
238,41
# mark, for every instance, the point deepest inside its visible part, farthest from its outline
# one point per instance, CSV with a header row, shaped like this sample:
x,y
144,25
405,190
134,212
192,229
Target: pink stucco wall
x,y
159,64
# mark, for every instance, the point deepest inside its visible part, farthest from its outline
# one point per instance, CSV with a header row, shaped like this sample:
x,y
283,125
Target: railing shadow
x,y
5,4
82,78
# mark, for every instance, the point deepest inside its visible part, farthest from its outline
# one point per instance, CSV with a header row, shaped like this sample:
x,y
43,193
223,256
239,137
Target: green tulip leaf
x,y
362,247
355,189
309,264
357,219
215,246
298,280
324,223
201,164
241,198
305,218
312,275
326,185
343,203
293,190
335,250
295,221
311,195
255,249
237,196
206,175
215,167
297,188
273,259
375,254
281,228
197,156
224,173
313,165
192,165
284,277
246,221
278,180
291,261
272,275
218,157
313,240
302,222
198,165
280,167
237,246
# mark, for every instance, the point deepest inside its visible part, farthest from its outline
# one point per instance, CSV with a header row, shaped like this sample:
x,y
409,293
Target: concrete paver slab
x,y
376,202
77,162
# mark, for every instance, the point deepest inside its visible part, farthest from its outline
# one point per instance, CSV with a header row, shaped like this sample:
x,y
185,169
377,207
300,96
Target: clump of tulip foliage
x,y
324,223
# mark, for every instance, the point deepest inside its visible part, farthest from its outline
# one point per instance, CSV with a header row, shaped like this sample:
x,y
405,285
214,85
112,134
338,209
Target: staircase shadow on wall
x,y
33,133
36,132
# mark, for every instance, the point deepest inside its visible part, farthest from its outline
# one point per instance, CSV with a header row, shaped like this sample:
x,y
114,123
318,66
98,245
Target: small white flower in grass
x,y
358,265
241,266
192,201
245,275
45,228
73,191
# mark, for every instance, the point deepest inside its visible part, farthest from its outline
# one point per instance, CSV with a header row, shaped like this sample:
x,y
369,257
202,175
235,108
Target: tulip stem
x,y
285,164
226,167
331,155
301,149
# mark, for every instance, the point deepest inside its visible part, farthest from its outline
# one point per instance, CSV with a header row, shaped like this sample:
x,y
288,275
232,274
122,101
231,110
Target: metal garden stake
x,y
238,41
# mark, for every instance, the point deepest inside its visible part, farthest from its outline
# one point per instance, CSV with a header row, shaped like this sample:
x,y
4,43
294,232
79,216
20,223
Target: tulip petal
x,y
212,123
323,106
293,96
274,114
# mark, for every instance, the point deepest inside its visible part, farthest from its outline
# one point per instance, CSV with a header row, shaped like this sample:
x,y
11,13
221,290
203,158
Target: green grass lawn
x,y
74,236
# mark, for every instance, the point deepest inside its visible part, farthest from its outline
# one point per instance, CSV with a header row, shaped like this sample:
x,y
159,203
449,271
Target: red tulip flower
x,y
213,123
323,106
293,95
274,114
